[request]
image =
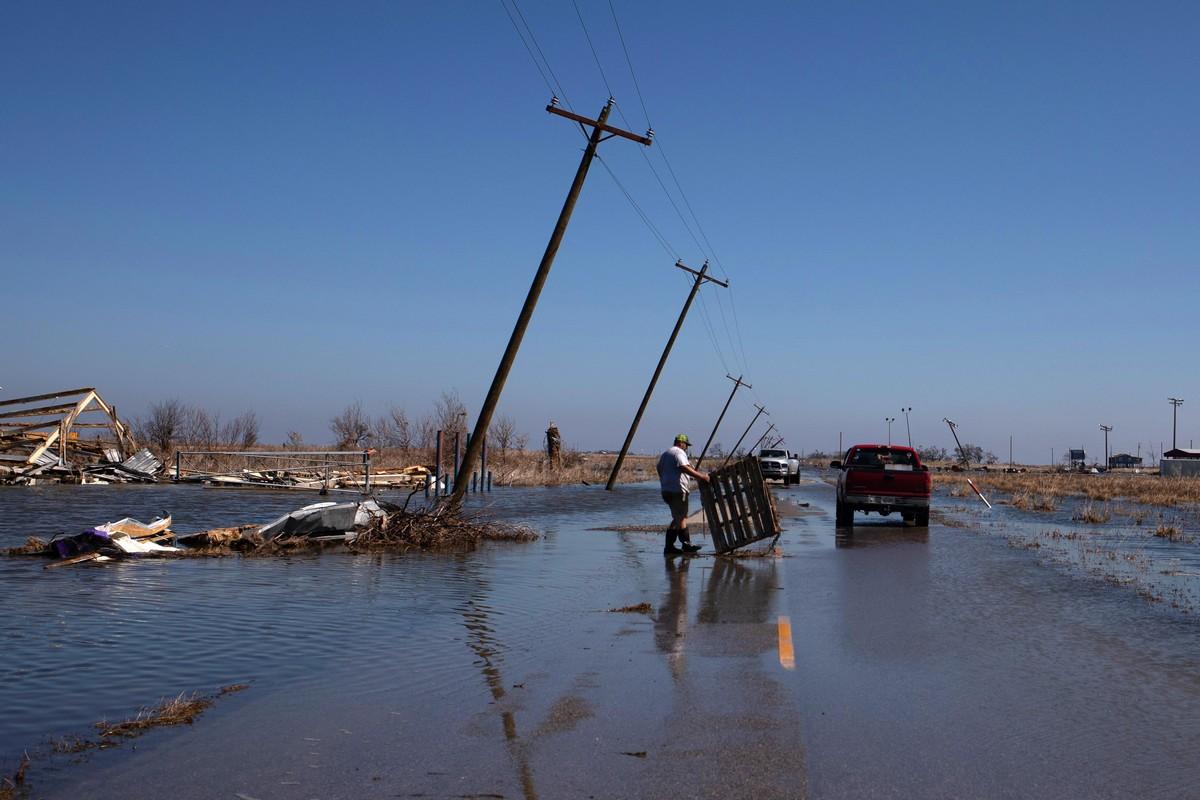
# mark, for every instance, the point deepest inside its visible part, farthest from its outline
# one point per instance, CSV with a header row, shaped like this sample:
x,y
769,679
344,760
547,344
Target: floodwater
x,y
965,661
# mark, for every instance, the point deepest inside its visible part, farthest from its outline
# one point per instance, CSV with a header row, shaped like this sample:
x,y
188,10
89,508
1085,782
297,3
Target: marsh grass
x,y
11,784
1145,489
640,608
1092,514
1033,501
181,710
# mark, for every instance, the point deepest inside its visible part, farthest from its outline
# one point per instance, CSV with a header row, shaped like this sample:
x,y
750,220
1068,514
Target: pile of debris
x,y
60,438
367,525
310,479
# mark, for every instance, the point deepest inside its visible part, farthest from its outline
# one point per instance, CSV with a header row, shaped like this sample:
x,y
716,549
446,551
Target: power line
x,y
629,61
595,55
662,240
528,49
561,92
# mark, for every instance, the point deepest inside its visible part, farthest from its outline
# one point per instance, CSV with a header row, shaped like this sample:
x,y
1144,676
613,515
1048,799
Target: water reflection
x,y
670,625
882,532
482,641
738,592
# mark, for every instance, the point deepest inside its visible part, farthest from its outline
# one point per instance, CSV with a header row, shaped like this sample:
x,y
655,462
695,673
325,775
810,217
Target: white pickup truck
x,y
780,465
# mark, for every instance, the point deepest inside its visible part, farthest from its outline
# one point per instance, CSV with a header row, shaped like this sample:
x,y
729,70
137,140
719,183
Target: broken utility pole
x,y
737,384
962,454
599,127
729,455
701,277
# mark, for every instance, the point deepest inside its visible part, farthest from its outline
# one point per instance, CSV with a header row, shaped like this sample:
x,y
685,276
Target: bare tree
x,y
426,433
502,434
393,430
352,427
201,430
449,413
294,441
162,427
241,431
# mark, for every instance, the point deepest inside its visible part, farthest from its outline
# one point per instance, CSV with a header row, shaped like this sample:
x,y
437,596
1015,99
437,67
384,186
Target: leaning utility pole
x,y
766,433
737,384
599,127
954,430
701,277
729,455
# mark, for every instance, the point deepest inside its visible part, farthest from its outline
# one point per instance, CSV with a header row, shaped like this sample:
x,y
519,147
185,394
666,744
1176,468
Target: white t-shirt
x,y
670,476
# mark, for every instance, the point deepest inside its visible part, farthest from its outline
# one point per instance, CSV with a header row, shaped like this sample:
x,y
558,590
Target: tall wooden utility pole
x,y
599,127
701,277
737,384
766,433
729,455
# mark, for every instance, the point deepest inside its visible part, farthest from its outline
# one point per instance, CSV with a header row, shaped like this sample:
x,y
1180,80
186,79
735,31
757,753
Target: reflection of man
x,y
670,624
673,471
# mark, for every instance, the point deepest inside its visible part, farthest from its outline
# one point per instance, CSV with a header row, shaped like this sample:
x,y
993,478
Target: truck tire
x,y
844,515
923,518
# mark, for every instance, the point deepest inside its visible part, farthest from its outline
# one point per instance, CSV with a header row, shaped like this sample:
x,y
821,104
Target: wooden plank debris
x,y
738,506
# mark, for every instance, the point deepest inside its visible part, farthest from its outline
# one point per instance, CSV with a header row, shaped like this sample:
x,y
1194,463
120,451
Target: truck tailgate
x,y
895,480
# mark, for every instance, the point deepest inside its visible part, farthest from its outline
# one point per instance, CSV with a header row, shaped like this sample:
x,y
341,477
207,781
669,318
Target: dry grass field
x,y
1040,491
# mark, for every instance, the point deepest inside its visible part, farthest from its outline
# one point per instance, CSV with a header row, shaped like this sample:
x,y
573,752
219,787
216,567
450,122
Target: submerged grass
x,y
640,608
10,784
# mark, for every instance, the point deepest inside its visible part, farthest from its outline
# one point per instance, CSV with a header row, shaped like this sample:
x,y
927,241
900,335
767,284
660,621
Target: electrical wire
x,y
561,92
595,55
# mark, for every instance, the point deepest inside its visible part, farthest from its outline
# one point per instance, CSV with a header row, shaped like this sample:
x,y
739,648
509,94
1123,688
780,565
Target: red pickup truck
x,y
882,478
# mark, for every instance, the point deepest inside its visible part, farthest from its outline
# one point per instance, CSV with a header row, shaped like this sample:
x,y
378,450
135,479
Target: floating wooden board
x,y
738,506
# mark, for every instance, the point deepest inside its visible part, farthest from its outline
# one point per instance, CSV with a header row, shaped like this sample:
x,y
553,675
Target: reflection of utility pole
x,y
766,433
701,277
1175,402
906,426
889,421
599,127
729,455
737,384
1106,429
962,454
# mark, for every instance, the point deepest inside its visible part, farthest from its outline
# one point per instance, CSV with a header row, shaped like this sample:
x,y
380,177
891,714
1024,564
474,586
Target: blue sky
x,y
983,211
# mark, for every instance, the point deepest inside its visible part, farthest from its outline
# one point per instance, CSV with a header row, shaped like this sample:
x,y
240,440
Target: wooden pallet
x,y
738,506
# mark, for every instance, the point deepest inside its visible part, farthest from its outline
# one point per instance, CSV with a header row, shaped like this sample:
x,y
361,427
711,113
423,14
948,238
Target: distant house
x,y
1076,457
1124,460
1180,462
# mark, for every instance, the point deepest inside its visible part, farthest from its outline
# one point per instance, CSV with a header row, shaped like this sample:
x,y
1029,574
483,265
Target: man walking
x,y
673,472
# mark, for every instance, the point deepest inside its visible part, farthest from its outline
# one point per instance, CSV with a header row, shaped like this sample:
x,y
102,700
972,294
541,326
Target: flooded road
x,y
946,663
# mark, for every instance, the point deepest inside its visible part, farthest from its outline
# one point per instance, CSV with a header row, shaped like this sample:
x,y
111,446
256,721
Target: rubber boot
x,y
685,540
671,549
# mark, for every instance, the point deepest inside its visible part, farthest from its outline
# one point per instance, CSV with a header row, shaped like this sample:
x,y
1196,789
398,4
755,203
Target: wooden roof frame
x,y
78,401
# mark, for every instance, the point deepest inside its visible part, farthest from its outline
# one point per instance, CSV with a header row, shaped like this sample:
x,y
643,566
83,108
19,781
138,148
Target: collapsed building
x,y
71,436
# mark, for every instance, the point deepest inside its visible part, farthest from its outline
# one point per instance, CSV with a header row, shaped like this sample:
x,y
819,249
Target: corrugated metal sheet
x,y
143,461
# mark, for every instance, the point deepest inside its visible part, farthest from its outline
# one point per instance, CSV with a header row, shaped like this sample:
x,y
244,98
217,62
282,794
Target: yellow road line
x,y
787,656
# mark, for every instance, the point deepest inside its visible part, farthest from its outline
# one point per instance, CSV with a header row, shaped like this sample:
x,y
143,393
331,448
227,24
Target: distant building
x,y
1077,457
1124,460
1180,462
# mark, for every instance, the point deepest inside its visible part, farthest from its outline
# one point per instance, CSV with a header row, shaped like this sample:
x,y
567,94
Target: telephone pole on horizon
x,y
1106,429
700,278
1175,402
599,127
737,384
